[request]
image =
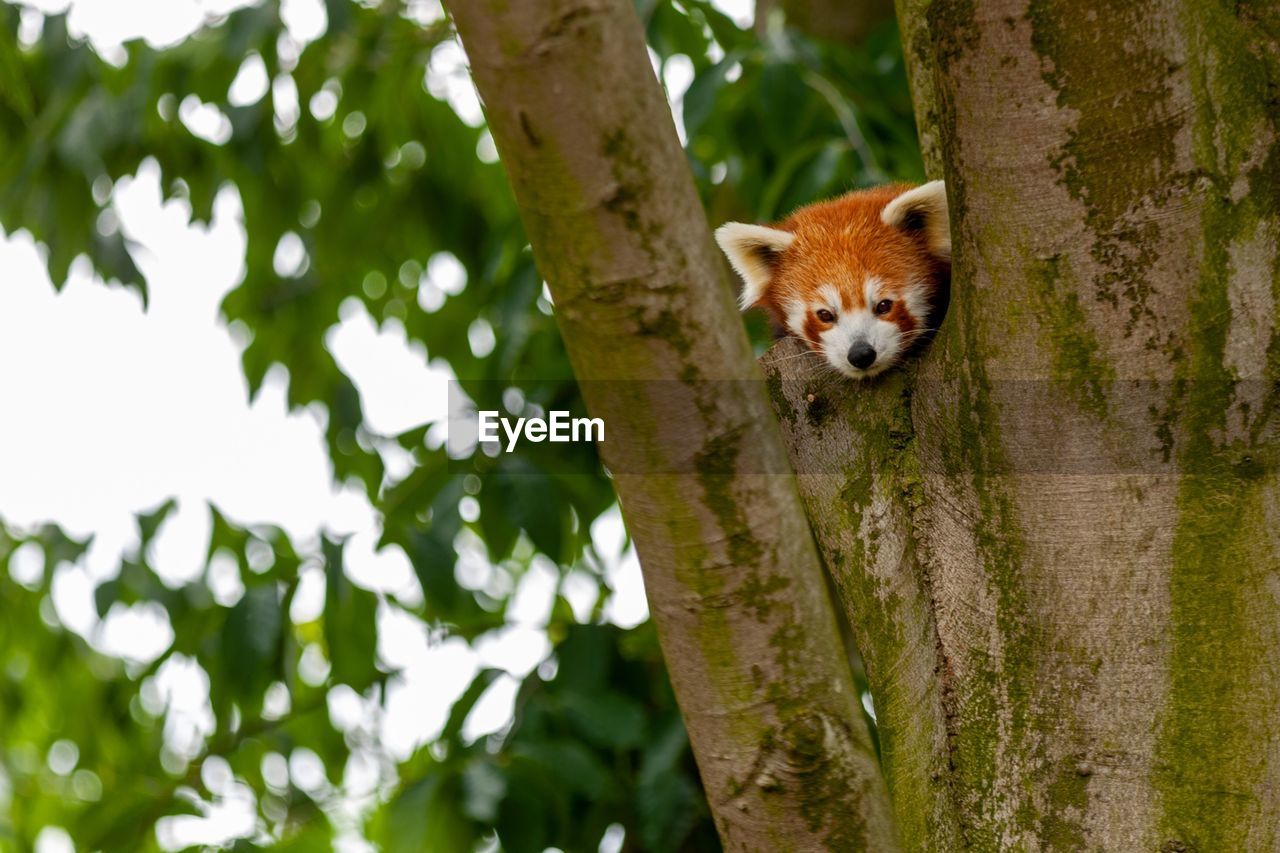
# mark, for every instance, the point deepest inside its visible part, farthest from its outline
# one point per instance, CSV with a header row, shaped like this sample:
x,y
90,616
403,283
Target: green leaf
x,y
525,815
584,657
464,703
149,522
704,93
574,765
667,802
14,91
427,815
606,717
251,643
106,594
350,628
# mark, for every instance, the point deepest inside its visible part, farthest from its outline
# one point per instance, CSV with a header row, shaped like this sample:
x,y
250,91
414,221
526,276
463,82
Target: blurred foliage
x,y
375,188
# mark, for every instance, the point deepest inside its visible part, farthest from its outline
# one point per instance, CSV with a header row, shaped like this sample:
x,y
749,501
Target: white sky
x,y
112,410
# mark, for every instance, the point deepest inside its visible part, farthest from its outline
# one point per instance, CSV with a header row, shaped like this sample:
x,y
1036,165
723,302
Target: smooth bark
x,y
1109,551
731,571
1088,598
852,447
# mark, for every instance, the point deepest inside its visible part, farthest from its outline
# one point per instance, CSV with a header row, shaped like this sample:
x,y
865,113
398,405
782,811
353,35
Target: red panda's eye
x,y
826,316
883,306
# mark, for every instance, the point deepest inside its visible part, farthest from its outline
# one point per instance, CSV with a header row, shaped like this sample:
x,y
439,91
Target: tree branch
x,y
588,142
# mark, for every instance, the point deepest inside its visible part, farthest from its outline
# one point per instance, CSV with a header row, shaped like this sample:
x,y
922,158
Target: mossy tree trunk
x,y
733,577
1058,535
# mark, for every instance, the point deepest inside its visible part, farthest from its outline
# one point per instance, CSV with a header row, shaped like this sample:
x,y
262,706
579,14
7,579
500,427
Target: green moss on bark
x,y
1077,354
1062,826
1211,769
1120,154
1120,75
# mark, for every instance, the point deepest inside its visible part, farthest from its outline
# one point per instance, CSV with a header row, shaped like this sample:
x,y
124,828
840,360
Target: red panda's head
x,y
856,277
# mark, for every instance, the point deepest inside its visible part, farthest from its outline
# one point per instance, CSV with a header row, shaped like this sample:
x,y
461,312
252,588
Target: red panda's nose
x,y
862,355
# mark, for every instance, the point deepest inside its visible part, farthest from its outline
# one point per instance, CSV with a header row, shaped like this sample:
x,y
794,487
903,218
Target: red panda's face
x,y
854,278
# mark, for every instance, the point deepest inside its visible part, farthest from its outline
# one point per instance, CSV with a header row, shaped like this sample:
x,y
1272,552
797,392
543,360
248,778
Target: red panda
x,y
860,278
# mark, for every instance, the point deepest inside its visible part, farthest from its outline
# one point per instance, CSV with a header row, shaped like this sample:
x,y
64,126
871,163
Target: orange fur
x,y
841,242
844,249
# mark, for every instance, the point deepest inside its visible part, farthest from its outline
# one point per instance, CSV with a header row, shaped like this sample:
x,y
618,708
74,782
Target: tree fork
x,y
732,574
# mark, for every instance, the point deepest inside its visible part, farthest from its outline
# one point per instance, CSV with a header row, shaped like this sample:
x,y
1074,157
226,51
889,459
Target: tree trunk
x,y
1058,536
732,574
852,449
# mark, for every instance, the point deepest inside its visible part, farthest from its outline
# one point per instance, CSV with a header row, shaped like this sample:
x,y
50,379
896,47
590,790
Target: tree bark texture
x,y
917,49
732,574
852,447
1058,535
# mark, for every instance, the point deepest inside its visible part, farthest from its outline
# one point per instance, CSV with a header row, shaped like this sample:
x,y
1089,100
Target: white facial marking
x,y
915,297
797,311
862,325
830,294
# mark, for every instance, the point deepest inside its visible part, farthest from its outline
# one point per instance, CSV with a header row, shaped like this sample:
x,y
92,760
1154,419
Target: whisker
x,y
814,366
916,335
794,356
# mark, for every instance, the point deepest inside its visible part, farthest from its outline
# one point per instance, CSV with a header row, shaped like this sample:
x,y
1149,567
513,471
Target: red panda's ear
x,y
923,210
754,252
